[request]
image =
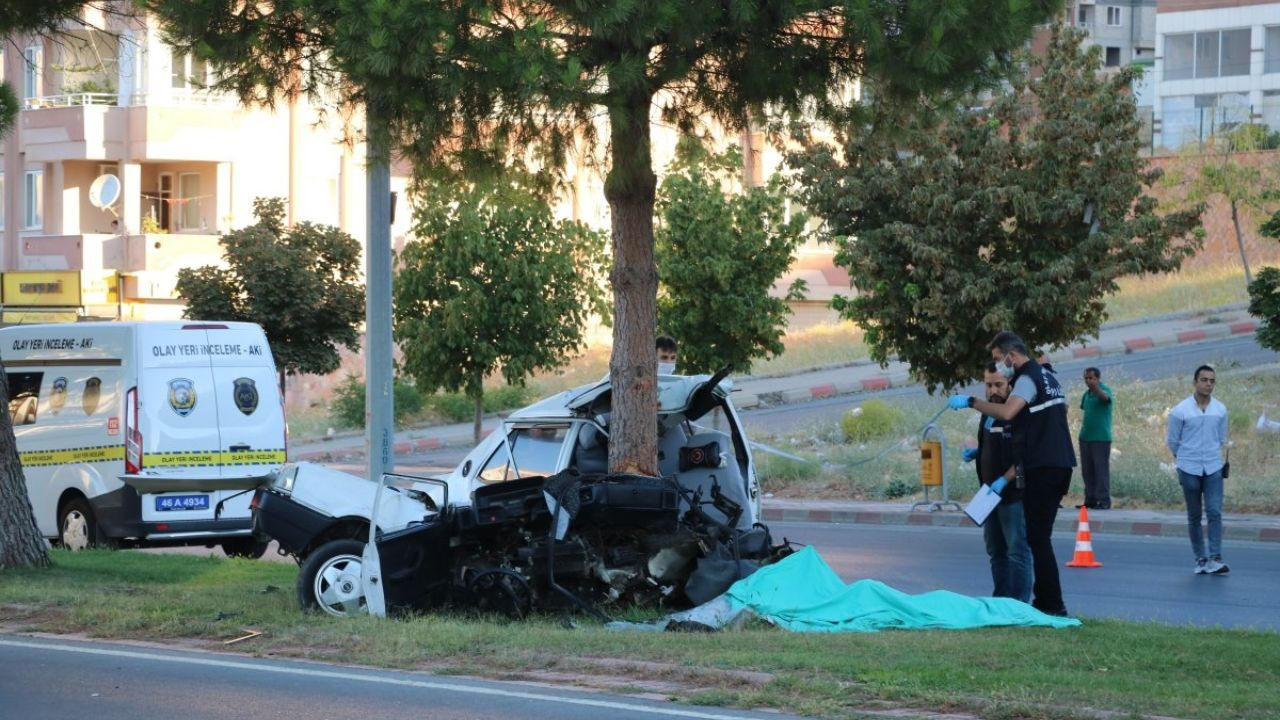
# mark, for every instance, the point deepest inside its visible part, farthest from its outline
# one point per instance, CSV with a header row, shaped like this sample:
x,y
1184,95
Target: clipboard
x,y
980,507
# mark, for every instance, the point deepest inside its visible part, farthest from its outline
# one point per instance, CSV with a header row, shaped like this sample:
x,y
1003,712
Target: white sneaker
x,y
1202,566
1215,566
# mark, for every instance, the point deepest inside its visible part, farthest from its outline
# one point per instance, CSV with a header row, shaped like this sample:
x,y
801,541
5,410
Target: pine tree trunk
x,y
21,544
1235,220
630,190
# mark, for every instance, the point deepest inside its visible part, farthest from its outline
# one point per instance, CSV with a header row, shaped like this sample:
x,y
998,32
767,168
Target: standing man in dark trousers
x,y
1095,440
1005,531
1044,451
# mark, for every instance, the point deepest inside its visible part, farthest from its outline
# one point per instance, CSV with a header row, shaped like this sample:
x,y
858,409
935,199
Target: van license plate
x,y
182,502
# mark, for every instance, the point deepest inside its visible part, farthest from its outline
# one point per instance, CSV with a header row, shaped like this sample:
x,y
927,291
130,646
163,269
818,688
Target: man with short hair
x,y
1044,452
1005,531
666,347
1196,436
1095,440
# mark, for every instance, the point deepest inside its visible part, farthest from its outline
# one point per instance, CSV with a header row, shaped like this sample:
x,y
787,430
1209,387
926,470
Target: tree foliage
x,y
473,79
495,284
299,283
1264,293
1019,215
720,249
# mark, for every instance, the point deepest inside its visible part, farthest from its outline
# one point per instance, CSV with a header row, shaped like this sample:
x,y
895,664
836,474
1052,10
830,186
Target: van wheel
x,y
78,528
244,547
330,579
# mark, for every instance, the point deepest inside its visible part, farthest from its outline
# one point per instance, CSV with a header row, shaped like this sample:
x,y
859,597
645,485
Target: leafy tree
x,y
1219,173
21,544
495,284
1020,215
718,257
1264,293
298,283
473,79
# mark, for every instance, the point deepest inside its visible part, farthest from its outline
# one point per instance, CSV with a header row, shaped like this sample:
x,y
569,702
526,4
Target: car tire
x,y
329,580
249,548
78,526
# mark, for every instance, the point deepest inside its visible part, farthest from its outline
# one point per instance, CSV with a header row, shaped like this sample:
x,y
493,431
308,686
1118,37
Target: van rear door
x,y
247,396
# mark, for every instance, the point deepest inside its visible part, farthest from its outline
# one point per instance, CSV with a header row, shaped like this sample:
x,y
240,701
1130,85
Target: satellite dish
x,y
104,192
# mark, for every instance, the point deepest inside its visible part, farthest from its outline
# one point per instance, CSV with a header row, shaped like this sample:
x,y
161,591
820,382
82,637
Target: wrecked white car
x,y
531,519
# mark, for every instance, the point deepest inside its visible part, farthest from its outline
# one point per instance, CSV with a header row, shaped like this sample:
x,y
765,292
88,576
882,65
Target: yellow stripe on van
x,y
38,458
197,458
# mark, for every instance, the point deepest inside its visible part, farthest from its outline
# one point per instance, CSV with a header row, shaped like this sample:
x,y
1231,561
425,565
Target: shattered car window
x,y
537,452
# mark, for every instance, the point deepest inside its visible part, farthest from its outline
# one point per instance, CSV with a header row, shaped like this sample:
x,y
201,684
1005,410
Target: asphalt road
x,y
1142,578
55,679
1156,364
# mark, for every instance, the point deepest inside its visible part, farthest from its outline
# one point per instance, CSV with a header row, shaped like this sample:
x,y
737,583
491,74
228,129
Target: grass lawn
x,y
1103,667
1141,469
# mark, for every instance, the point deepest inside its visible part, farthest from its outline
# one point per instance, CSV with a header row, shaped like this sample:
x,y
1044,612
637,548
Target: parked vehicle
x,y
144,433
531,517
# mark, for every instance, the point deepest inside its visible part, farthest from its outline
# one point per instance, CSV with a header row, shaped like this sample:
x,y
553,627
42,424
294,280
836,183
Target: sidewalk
x,y
856,377
1166,523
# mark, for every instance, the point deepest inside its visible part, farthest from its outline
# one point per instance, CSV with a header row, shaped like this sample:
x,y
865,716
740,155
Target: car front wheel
x,y
78,528
330,579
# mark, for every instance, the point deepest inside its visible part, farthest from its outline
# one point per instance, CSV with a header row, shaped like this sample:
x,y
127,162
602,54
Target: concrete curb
x,y
1066,522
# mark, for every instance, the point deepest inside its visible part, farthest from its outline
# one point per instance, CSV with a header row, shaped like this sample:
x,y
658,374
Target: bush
x,y
347,409
460,408
873,419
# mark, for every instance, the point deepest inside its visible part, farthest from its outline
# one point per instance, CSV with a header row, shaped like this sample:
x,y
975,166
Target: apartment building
x,y
1217,66
1124,29
108,96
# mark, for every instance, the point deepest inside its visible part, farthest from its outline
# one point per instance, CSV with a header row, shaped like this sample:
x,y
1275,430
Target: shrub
x,y
873,419
347,409
460,408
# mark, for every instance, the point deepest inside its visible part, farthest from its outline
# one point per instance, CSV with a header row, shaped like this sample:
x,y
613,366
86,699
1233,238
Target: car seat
x,y
591,456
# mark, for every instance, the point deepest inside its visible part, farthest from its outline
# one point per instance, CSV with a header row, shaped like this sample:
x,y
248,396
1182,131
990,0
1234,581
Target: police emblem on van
x,y
246,395
58,394
182,396
92,392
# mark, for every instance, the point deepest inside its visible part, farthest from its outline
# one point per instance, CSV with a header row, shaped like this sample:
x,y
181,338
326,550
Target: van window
x,y
537,452
24,397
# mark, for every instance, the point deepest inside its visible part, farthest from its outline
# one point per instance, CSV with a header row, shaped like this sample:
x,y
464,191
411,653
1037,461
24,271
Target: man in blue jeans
x,y
1005,530
1197,433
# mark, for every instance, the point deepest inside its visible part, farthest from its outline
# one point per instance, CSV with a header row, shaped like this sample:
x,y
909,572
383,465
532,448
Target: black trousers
x,y
1045,489
1095,468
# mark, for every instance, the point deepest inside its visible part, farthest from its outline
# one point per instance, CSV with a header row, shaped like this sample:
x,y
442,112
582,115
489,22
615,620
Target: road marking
x,y
336,675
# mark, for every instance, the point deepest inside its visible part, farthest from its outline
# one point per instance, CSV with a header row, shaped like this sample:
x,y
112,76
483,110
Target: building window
x,y
189,202
1113,57
33,200
1218,53
1113,16
188,73
1082,15
31,72
1271,50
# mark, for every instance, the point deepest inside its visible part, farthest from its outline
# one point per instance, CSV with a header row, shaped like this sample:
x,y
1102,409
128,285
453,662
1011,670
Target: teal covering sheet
x,y
802,593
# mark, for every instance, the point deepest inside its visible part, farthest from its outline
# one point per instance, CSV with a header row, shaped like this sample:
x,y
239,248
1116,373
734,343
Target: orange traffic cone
x,y
1084,545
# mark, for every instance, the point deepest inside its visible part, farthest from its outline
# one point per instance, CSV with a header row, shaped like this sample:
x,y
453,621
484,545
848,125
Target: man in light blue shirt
x,y
1197,434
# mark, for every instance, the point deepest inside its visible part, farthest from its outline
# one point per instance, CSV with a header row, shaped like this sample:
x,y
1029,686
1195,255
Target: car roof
x,y
675,394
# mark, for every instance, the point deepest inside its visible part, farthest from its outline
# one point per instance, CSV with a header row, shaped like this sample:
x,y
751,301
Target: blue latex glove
x,y
998,485
958,402
970,454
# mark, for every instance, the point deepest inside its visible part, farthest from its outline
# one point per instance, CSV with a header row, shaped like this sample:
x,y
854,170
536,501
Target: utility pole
x,y
378,406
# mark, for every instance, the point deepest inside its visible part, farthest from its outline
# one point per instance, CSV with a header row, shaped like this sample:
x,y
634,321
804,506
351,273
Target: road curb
x,y
1065,524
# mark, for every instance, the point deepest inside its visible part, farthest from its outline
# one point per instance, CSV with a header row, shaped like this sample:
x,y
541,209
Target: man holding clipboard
x,y
998,505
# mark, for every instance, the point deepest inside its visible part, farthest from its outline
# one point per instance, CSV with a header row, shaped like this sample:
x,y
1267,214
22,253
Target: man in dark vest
x,y
1005,530
1044,452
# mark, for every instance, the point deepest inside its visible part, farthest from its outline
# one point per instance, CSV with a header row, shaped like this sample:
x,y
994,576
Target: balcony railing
x,y
71,100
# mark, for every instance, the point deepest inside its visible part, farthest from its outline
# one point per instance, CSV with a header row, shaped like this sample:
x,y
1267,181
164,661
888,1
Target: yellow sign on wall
x,y
41,288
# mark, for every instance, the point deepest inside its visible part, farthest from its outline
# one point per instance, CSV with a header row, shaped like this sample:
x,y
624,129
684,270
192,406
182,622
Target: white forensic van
x,y
144,433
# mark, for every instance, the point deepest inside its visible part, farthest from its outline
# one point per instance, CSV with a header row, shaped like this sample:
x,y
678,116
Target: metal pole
x,y
377,343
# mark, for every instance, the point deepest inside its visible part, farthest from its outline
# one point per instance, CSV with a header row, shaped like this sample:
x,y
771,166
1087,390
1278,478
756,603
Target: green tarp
x,y
802,593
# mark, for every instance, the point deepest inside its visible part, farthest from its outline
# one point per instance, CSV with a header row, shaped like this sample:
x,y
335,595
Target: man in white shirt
x,y
1197,433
